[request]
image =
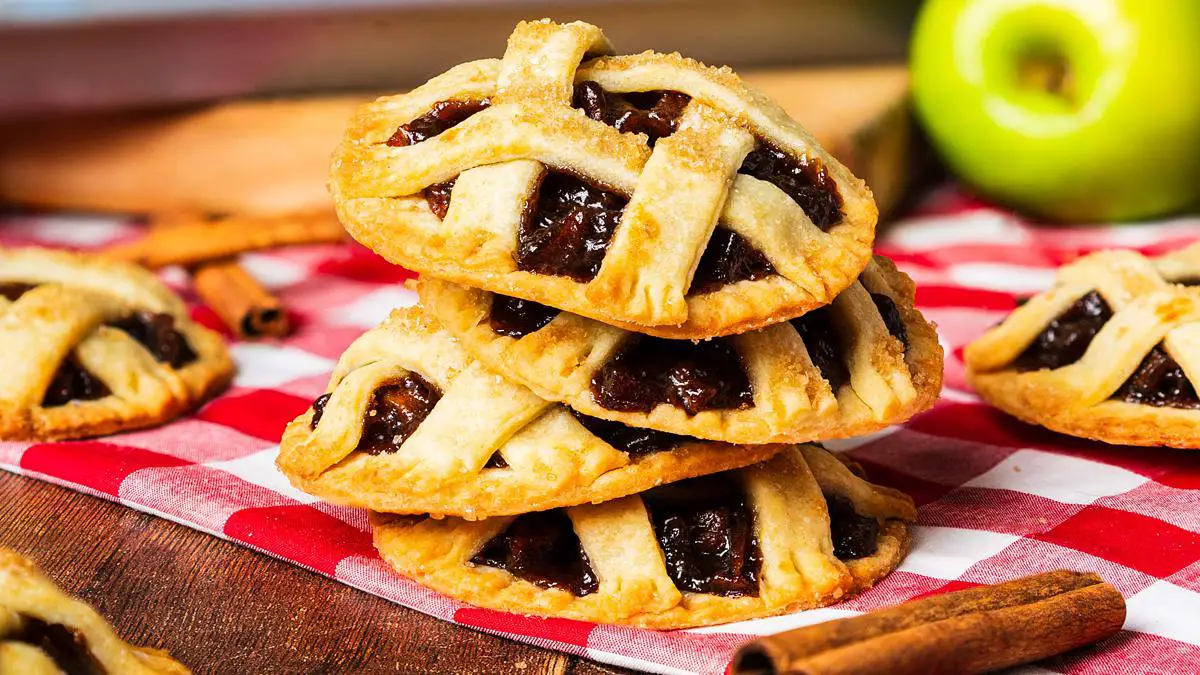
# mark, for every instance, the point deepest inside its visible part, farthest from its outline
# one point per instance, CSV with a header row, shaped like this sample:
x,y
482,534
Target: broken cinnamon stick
x,y
249,309
199,239
972,631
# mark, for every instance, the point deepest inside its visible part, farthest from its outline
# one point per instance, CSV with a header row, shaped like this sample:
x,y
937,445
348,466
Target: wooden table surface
x,y
221,608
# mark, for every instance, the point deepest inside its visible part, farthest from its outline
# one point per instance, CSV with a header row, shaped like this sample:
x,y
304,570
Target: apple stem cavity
x,y
1049,71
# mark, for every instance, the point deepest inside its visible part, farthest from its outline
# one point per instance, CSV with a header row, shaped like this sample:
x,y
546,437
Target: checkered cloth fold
x,y
998,499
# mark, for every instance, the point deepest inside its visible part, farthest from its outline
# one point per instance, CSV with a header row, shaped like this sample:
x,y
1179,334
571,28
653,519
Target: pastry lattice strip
x,y
850,373
632,564
1149,306
678,191
82,325
1111,351
43,630
481,445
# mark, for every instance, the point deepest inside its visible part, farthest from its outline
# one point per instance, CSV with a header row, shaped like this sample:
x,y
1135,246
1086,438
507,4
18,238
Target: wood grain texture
x,y
220,608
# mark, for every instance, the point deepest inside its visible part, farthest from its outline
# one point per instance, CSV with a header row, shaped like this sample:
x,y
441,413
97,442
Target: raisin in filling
x,y
395,412
654,113
1067,337
517,318
891,317
318,408
824,346
566,229
66,647
1159,381
631,440
706,532
438,196
542,548
13,290
802,179
728,259
73,382
443,115
693,376
156,332
854,536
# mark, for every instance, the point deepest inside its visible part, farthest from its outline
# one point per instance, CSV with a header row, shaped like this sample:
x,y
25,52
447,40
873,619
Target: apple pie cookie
x,y
866,361
412,425
1111,352
45,631
646,190
94,347
800,530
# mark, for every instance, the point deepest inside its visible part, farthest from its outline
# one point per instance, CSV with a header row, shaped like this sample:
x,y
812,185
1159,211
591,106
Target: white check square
x,y
948,552
265,366
1065,479
1167,610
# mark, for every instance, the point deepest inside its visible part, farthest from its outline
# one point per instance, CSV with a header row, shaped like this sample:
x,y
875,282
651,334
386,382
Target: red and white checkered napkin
x,y
998,499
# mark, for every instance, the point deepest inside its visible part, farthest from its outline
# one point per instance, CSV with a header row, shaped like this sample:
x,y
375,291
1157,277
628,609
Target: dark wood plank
x,y
221,608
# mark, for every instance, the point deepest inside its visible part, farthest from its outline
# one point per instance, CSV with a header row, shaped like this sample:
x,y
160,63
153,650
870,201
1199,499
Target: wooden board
x,y
273,156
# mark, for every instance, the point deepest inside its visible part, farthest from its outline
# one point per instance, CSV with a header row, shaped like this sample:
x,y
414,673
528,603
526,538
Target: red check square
x,y
1130,539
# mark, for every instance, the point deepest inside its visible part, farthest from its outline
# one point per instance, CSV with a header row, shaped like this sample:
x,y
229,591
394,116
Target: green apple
x,y
1074,110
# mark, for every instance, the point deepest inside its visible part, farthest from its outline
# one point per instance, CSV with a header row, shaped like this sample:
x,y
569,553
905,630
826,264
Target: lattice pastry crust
x,y
678,191
450,463
884,382
620,541
94,347
1129,371
43,630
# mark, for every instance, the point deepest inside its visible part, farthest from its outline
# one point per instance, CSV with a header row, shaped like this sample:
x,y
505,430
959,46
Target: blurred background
x,y
1040,106
75,55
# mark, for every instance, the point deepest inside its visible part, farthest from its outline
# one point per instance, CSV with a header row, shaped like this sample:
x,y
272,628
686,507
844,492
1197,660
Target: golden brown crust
x,y
785,494
678,191
793,402
28,596
552,460
66,314
1148,310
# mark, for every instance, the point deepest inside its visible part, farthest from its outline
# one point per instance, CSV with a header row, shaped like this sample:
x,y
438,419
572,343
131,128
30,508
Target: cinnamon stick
x,y
197,239
249,309
972,631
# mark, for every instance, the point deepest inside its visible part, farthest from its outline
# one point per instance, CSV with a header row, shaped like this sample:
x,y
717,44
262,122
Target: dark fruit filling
x,y
66,647
517,318
496,461
654,113
13,290
694,376
1187,281
636,442
542,548
802,179
442,116
824,346
1159,381
318,407
706,531
728,259
438,196
73,382
156,332
395,412
1064,341
891,317
854,536
566,230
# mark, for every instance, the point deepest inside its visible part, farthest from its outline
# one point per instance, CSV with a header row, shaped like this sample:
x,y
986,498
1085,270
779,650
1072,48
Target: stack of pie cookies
x,y
646,295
